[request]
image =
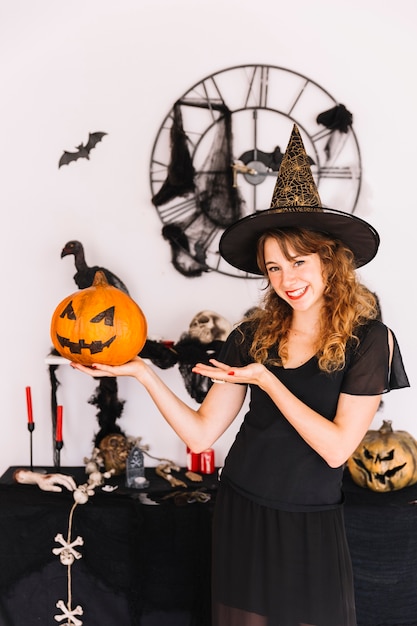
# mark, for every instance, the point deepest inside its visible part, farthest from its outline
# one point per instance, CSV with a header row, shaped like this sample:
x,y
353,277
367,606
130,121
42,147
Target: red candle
x,y
193,461
58,436
29,405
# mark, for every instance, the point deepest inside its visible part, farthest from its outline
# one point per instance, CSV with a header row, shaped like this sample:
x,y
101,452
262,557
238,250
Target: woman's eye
x,y
299,262
273,268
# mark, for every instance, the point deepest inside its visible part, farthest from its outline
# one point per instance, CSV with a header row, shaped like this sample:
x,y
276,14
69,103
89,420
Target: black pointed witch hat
x,y
296,203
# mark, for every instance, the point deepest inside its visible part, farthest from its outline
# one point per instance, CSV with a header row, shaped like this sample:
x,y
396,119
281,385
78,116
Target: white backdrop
x,y
68,68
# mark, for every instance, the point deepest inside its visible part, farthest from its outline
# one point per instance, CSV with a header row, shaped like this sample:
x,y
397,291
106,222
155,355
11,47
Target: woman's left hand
x,y
223,373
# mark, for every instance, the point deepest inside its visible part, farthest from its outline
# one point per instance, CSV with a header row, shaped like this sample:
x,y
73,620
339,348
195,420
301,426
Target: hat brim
x,y
239,241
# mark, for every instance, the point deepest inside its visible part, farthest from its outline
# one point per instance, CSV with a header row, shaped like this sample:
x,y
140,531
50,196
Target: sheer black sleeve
x,y
235,351
369,371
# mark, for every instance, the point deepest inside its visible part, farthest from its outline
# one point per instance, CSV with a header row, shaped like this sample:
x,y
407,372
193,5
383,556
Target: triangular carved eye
x,y
69,312
388,457
107,316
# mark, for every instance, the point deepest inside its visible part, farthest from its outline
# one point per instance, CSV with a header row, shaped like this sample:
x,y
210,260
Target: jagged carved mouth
x,y
76,347
377,476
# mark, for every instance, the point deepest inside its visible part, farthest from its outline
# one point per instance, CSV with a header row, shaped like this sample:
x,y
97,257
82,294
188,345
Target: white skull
x,y
66,557
208,326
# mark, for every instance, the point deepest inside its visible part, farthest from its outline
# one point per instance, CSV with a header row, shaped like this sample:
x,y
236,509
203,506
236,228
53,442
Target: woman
x,y
316,360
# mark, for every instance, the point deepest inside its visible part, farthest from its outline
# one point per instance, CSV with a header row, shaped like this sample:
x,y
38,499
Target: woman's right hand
x,y
134,368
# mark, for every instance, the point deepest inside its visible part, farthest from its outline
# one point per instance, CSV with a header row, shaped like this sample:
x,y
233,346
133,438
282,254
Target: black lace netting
x,y
217,196
210,192
180,179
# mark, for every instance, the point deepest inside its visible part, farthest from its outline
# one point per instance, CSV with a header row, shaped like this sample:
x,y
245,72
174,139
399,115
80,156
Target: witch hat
x,y
296,203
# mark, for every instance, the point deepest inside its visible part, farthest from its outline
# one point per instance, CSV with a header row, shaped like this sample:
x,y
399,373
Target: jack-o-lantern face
x,y
100,324
385,460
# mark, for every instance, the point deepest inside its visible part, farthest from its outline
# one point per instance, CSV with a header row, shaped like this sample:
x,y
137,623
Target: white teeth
x,y
298,292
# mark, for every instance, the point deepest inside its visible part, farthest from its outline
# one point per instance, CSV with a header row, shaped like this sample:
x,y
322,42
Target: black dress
x,y
280,555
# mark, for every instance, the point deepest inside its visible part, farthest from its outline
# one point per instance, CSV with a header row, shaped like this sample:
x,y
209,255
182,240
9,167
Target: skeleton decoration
x,y
202,341
126,455
46,482
68,614
110,456
114,450
67,551
164,470
206,334
208,326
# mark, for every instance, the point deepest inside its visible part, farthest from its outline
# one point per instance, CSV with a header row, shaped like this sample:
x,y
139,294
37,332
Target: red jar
x,y
207,461
193,461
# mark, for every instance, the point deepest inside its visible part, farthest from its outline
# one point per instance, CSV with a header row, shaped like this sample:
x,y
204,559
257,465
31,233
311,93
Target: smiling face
x,y
100,324
296,278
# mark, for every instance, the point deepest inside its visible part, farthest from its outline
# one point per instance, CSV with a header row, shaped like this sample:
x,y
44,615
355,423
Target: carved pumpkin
x,y
99,324
385,460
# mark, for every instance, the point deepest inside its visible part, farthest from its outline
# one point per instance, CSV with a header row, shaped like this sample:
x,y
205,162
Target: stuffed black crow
x,y
85,275
106,398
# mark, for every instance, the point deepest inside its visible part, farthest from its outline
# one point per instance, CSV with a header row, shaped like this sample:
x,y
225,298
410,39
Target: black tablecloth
x,y
382,534
149,564
152,558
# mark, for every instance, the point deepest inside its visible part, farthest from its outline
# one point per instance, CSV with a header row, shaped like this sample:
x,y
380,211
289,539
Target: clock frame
x,y
256,106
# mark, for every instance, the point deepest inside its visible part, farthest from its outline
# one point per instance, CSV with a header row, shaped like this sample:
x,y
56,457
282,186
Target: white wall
x,y
68,68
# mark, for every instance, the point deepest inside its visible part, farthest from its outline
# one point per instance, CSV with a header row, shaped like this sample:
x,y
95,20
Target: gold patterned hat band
x,y
296,203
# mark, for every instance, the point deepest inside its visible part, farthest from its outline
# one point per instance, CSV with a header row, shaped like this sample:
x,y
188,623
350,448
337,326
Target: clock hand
x,y
239,166
254,172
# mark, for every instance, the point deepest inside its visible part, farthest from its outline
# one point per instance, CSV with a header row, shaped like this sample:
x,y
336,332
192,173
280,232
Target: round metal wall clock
x,y
217,153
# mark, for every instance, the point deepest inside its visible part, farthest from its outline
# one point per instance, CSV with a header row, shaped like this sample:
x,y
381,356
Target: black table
x,y
149,564
142,563
382,534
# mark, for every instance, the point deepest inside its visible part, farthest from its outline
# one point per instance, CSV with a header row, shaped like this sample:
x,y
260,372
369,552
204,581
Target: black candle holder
x,y
31,428
57,453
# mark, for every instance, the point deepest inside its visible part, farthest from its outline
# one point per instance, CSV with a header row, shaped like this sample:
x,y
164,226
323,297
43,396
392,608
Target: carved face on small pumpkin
x,y
208,326
385,460
100,324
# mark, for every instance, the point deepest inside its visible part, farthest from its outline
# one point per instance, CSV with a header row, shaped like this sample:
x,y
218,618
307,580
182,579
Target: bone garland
x,y
66,553
68,614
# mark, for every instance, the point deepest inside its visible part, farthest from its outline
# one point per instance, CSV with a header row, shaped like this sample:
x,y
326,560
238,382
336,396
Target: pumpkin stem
x,y
100,279
386,427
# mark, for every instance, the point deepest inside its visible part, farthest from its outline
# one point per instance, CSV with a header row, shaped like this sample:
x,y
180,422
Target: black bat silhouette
x,y
83,152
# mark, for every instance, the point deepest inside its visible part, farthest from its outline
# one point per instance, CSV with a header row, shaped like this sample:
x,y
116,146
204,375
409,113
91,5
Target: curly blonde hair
x,y
348,304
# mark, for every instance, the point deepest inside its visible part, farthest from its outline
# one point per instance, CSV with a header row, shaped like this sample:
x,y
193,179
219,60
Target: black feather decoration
x,y
337,118
110,408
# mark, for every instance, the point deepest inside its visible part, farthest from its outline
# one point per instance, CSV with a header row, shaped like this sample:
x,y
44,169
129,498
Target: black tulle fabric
x,y
282,568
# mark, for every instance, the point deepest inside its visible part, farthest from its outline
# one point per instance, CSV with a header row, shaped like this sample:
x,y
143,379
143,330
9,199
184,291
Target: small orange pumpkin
x,y
99,324
385,460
